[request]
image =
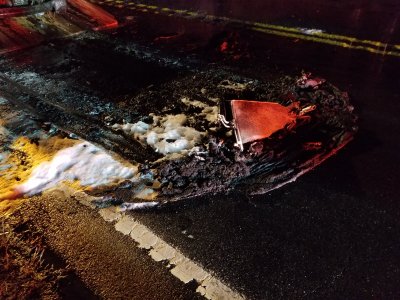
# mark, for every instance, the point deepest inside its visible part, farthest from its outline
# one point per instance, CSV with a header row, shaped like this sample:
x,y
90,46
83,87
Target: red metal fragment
x,y
255,120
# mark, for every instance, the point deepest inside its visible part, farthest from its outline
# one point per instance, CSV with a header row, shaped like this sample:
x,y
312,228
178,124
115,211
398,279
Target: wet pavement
x,y
334,233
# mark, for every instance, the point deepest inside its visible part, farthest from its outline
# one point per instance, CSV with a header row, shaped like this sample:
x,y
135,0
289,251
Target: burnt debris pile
x,y
324,122
204,129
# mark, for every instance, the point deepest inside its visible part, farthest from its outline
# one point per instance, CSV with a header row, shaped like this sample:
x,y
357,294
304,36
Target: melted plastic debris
x,y
137,206
167,134
117,204
306,81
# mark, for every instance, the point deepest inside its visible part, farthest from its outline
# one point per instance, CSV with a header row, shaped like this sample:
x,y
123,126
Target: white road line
x,y
184,268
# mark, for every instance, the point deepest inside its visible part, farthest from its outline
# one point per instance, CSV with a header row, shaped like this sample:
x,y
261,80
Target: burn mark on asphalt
x,y
216,166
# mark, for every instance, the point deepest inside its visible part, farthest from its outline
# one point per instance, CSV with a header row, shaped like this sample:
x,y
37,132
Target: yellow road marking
x,y
343,41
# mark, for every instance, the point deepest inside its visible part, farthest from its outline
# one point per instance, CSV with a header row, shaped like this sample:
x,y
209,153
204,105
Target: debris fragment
x,y
137,206
256,120
312,146
311,31
306,81
236,86
294,126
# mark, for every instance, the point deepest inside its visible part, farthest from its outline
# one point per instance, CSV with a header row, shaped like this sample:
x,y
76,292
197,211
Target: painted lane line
x,y
317,36
179,265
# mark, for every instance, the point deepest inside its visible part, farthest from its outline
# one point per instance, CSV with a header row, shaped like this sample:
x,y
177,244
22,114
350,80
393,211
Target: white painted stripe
x,y
183,268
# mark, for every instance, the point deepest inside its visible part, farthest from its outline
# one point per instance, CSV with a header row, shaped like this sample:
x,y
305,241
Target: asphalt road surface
x,y
334,233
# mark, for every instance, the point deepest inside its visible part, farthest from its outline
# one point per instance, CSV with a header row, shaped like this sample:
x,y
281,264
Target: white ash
x,y
167,135
85,162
